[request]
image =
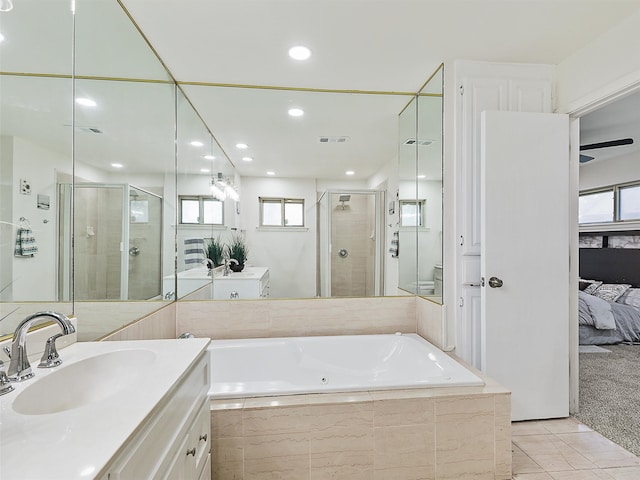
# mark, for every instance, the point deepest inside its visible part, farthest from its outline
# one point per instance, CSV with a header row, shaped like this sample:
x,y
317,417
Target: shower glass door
x,y
144,249
355,243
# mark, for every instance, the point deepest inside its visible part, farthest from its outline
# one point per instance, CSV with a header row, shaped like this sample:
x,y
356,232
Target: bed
x,y
609,297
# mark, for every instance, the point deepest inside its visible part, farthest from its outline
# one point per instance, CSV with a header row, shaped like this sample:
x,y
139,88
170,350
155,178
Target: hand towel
x,y
25,243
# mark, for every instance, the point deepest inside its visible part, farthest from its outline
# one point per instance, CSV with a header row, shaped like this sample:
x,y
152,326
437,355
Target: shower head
x,y
344,198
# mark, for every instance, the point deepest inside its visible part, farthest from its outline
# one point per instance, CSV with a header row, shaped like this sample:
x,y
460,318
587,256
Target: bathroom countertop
x,y
78,443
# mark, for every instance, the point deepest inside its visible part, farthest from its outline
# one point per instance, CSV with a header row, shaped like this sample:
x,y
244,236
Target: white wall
x,y
610,63
610,172
289,254
33,276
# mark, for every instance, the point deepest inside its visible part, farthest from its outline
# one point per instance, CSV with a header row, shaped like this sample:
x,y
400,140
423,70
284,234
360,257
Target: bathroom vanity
x,y
112,410
251,282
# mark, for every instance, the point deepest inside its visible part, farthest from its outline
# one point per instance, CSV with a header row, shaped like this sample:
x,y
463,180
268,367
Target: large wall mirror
x,y
420,191
106,163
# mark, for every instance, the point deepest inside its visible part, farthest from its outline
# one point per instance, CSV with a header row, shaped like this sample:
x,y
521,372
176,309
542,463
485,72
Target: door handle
x,y
495,282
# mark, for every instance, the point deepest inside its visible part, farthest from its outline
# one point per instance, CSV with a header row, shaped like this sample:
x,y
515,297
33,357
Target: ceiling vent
x,y
334,139
86,129
413,141
89,129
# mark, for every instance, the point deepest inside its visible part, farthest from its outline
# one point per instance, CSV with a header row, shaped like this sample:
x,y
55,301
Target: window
x,y
281,212
596,207
629,203
614,204
412,213
201,211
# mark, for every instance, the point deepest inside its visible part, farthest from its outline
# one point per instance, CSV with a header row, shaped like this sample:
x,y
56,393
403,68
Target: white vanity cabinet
x,y
252,282
175,442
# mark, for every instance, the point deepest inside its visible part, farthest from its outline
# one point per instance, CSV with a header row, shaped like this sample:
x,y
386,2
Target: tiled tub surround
x,y
437,433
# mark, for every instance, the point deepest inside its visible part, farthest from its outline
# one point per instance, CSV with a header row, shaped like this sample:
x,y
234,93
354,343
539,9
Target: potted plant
x,y
238,251
214,250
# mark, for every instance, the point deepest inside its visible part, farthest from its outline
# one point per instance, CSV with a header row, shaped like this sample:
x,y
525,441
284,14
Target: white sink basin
x,y
87,381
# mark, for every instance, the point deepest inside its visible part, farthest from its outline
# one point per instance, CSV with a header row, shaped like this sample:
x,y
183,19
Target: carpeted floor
x,y
610,394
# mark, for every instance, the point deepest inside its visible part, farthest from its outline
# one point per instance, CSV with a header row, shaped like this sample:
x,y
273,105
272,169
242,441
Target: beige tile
x,y
565,425
577,475
347,439
270,421
502,433
266,447
307,399
623,473
403,412
281,468
226,423
227,450
532,476
336,465
327,417
227,471
522,463
529,428
547,444
405,452
464,437
599,450
560,462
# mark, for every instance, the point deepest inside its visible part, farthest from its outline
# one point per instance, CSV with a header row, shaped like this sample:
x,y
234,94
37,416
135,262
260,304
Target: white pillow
x,y
611,291
630,297
593,287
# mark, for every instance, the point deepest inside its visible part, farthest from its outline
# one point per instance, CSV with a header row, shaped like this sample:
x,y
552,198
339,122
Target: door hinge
x,y
461,240
461,90
461,302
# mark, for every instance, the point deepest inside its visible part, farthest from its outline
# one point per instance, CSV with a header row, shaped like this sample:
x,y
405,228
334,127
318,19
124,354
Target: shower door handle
x,y
343,253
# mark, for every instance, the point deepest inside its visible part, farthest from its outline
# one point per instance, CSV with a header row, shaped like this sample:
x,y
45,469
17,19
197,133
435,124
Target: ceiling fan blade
x,y
610,143
585,158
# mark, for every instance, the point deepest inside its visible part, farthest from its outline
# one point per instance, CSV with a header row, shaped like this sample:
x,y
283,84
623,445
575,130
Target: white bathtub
x,y
296,365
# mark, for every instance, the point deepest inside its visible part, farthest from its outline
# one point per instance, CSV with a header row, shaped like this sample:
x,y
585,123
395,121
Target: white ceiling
x,y
381,45
387,46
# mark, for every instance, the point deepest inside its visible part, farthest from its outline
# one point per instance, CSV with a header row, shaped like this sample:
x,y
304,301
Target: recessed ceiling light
x,y
299,52
117,165
197,143
296,112
6,5
271,173
209,157
242,146
422,176
349,172
247,159
205,170
86,102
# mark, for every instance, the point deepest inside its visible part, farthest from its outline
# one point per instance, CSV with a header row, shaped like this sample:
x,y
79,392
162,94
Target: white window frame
x,y
201,200
616,202
282,202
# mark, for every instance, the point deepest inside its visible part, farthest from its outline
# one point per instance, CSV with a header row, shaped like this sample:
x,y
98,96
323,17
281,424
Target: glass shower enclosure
x,y
118,243
350,243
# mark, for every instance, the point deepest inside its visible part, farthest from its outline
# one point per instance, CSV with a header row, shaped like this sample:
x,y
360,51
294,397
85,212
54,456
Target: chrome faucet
x,y
5,383
19,367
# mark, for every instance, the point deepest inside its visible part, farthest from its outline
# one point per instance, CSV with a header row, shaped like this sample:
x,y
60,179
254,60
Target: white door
x,y
525,259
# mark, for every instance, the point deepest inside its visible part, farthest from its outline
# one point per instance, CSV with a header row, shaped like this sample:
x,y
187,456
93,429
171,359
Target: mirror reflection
x,y
35,154
420,191
315,197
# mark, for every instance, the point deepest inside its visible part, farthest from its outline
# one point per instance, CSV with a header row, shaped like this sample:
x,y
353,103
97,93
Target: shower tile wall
x,y
353,228
98,233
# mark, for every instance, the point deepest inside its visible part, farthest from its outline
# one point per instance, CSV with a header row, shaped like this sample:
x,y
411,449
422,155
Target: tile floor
x,y
565,449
